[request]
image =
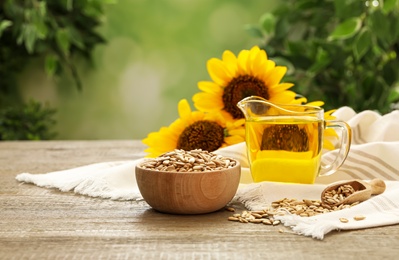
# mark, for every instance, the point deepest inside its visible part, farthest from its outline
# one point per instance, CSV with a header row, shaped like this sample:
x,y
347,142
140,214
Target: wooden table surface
x,y
39,223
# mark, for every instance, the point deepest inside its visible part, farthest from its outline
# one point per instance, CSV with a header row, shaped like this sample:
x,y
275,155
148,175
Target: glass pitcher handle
x,y
344,147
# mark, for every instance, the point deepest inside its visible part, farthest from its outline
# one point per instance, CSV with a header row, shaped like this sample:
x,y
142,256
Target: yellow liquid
x,y
284,149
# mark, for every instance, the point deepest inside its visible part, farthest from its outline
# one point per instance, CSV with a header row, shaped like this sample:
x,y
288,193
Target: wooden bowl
x,y
188,192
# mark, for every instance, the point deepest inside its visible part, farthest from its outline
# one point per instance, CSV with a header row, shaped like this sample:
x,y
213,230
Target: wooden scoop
x,y
363,191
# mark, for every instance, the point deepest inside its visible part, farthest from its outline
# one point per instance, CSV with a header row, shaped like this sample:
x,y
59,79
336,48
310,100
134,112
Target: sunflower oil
x,y
284,148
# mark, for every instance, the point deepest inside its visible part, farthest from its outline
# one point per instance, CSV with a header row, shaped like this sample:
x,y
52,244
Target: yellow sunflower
x,y
195,130
251,73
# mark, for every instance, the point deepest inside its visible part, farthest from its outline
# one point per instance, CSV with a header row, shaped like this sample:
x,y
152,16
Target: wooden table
x,y
39,223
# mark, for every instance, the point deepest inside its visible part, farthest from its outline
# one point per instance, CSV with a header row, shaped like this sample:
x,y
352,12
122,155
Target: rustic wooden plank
x,y
38,223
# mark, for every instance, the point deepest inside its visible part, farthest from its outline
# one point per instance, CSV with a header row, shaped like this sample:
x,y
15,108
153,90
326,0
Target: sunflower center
x,y
205,135
239,88
285,137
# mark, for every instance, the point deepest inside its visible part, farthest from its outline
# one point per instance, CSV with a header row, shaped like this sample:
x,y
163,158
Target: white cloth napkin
x,y
379,210
108,180
374,150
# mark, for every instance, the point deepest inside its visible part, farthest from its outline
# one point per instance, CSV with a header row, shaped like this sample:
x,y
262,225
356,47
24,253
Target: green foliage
x,y
344,52
30,122
56,31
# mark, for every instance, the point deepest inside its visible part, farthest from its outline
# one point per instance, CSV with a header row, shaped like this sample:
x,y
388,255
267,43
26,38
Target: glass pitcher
x,y
284,142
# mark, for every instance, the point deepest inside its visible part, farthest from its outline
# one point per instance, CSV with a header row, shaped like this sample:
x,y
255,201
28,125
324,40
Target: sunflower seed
x,y
232,218
276,222
256,215
357,218
266,221
344,220
231,209
188,161
257,220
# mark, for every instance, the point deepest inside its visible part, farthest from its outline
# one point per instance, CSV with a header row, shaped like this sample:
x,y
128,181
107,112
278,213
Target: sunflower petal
x,y
280,87
227,116
259,69
230,62
328,145
276,75
315,103
258,62
329,132
242,62
266,70
255,48
207,102
300,101
285,97
230,140
184,109
195,116
328,115
210,87
239,122
270,65
218,72
252,61
154,139
240,132
228,56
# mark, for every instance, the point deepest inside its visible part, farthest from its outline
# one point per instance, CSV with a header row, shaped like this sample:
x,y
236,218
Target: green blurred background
x,y
116,69
156,52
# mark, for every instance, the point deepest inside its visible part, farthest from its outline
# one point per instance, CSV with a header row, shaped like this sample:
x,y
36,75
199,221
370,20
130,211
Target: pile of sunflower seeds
x,y
307,208
265,216
188,161
332,197
303,208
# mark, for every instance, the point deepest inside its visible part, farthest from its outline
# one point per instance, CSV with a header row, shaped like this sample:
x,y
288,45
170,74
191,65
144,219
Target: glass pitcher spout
x,y
255,106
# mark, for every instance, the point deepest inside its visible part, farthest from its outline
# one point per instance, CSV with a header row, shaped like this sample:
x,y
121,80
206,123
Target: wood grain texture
x,y
39,223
